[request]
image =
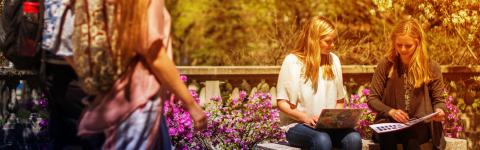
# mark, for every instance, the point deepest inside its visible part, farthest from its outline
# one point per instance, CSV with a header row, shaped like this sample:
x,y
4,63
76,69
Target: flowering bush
x,y
25,124
452,127
181,126
234,123
243,122
368,116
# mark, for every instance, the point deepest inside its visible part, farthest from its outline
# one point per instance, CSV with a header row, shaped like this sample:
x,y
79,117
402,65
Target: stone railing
x,y
247,78
235,74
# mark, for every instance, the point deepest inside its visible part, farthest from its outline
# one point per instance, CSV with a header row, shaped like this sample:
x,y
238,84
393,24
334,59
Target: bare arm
x,y
165,71
291,112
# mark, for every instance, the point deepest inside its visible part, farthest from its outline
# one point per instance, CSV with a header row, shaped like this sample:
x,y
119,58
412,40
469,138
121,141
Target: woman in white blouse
x,y
310,80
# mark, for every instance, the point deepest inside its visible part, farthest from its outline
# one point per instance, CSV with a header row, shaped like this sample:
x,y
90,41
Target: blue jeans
x,y
134,132
308,138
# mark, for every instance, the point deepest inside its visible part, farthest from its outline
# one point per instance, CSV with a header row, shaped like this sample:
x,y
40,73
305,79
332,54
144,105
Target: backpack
x,y
93,62
20,34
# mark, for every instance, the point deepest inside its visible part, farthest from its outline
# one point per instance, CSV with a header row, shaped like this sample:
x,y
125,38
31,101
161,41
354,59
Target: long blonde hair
x,y
129,28
308,50
418,72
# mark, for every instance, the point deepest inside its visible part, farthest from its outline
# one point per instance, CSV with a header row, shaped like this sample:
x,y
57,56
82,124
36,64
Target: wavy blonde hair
x,y
129,28
308,50
419,70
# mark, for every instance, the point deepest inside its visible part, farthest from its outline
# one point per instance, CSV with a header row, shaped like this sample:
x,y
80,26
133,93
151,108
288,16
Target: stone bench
x,y
452,144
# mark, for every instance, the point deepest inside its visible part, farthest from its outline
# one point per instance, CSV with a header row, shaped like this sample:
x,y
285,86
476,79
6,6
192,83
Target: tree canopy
x,y
262,32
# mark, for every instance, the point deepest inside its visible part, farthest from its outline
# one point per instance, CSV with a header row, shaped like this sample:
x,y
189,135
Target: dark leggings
x,y
65,108
410,138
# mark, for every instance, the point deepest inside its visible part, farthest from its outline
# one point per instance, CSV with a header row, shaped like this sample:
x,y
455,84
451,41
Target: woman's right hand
x,y
398,115
310,121
199,118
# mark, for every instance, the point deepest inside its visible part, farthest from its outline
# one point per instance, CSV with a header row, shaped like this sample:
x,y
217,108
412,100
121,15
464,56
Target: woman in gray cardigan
x,y
407,85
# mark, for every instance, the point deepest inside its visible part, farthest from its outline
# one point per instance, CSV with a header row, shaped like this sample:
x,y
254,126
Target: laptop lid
x,y
339,118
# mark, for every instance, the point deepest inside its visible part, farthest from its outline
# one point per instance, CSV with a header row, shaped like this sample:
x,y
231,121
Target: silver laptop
x,y
338,118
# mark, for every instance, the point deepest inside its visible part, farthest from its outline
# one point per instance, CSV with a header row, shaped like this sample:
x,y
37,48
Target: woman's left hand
x,y
440,116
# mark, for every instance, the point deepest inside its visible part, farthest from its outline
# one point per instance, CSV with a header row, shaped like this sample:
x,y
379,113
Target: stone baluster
x,y
236,93
212,89
273,92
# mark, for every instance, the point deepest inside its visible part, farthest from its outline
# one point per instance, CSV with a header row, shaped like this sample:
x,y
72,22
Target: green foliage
x,y
452,27
23,113
245,32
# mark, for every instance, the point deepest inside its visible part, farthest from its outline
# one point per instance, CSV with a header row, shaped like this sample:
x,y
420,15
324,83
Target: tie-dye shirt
x,y
52,19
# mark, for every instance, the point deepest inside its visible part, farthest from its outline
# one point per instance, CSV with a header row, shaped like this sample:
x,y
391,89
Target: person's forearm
x,y
285,107
167,73
379,106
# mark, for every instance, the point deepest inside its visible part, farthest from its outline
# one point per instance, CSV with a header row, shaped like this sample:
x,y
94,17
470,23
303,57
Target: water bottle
x,y
31,10
19,91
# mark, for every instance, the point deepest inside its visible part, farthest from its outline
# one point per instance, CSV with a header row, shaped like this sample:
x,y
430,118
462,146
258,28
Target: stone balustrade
x,y
213,80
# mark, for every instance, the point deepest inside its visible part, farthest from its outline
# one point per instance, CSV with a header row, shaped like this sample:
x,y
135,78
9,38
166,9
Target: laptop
x,y
338,118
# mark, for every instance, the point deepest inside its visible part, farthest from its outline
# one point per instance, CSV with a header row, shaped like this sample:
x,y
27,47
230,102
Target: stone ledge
x,y
452,144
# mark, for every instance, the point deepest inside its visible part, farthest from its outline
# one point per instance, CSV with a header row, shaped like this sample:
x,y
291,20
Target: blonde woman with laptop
x,y
310,80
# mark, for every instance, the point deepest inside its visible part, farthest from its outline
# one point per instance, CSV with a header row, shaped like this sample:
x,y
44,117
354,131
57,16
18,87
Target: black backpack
x,y
20,36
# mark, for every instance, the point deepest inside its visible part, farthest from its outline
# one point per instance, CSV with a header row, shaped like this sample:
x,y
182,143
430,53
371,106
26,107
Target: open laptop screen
x,y
338,118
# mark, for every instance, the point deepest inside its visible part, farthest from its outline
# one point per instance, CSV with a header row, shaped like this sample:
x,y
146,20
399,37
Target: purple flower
x,y
263,96
354,97
459,128
216,98
43,123
363,105
43,103
366,92
184,78
236,140
243,95
234,101
269,104
172,132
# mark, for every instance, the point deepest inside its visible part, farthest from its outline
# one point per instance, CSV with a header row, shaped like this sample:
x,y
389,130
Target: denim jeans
x,y
308,138
134,132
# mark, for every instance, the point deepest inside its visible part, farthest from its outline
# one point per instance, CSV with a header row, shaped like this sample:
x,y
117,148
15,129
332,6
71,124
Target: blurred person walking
x,y
120,55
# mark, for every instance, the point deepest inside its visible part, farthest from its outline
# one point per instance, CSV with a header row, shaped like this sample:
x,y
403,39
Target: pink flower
x,y
43,103
172,131
366,92
43,123
183,78
234,101
354,97
216,98
243,95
